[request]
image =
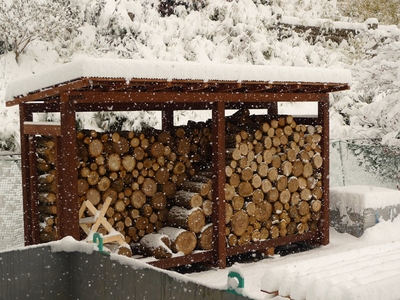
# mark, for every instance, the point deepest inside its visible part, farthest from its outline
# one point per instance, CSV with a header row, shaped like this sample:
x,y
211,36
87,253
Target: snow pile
x,y
366,273
349,268
359,197
356,208
139,69
69,244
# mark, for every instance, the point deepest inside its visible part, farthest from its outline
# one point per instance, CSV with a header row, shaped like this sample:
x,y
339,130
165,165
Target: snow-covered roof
x,y
162,70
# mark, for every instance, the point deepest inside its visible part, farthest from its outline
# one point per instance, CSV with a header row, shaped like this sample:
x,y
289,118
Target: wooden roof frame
x,y
146,88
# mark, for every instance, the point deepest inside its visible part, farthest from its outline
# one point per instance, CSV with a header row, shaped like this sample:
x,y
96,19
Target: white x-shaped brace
x,y
90,225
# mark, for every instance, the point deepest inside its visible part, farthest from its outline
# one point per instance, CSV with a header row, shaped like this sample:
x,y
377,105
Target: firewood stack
x,y
161,189
273,180
151,179
47,188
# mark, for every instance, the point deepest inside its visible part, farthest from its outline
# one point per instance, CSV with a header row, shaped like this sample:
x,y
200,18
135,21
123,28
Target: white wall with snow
x,y
11,217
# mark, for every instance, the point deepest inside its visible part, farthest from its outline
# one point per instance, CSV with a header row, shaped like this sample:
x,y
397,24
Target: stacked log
x,y
151,179
273,179
158,179
47,188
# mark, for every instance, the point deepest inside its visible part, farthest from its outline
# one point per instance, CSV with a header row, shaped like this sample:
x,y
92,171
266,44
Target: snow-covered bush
x,y
386,11
179,7
121,121
24,21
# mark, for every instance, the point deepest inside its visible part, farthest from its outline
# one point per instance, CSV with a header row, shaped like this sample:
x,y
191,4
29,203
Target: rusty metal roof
x,y
138,76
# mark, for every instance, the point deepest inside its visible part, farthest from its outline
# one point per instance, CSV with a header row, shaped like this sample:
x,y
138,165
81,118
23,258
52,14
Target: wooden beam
x,y
158,86
202,257
286,240
34,228
50,92
255,88
167,119
31,233
218,183
115,84
323,119
68,214
45,128
134,106
46,106
111,98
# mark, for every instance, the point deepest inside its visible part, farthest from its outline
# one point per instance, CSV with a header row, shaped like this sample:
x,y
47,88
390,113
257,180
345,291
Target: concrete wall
x,y
39,273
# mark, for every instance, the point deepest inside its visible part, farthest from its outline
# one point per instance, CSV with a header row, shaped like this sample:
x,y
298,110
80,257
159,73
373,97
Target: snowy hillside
x,y
240,32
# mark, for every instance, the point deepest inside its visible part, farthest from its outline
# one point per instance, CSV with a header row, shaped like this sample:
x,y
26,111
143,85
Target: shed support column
x,y
28,170
167,119
323,116
273,109
218,185
68,202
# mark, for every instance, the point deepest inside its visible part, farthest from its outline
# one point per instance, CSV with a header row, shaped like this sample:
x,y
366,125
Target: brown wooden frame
x,y
99,94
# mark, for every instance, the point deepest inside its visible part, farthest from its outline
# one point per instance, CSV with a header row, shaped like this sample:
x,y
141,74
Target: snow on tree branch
x,y
24,21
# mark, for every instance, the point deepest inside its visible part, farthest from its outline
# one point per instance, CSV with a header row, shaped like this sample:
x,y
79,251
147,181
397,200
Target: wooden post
x,y
218,217
28,170
273,108
68,203
167,119
323,119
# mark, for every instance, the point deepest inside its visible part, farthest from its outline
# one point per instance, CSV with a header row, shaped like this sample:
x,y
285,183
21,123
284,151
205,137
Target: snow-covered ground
x,y
348,268
365,268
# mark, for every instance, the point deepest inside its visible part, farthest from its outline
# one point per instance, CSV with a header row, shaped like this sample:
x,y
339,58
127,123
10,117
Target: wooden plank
x,y
310,236
273,109
135,106
128,97
26,158
50,92
218,183
33,195
172,85
167,119
132,106
207,256
323,113
45,106
47,128
68,201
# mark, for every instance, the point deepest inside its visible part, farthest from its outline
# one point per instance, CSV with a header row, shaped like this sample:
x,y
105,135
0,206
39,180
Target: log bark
x,y
193,219
205,238
188,199
196,187
182,240
47,198
156,245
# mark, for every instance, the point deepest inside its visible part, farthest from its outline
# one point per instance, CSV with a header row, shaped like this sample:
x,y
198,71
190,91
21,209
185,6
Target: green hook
x,y
99,241
240,281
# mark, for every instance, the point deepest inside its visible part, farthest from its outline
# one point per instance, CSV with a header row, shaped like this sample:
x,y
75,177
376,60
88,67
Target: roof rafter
x,y
155,86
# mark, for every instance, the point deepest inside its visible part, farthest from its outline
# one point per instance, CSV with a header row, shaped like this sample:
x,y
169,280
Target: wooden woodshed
x,y
95,85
